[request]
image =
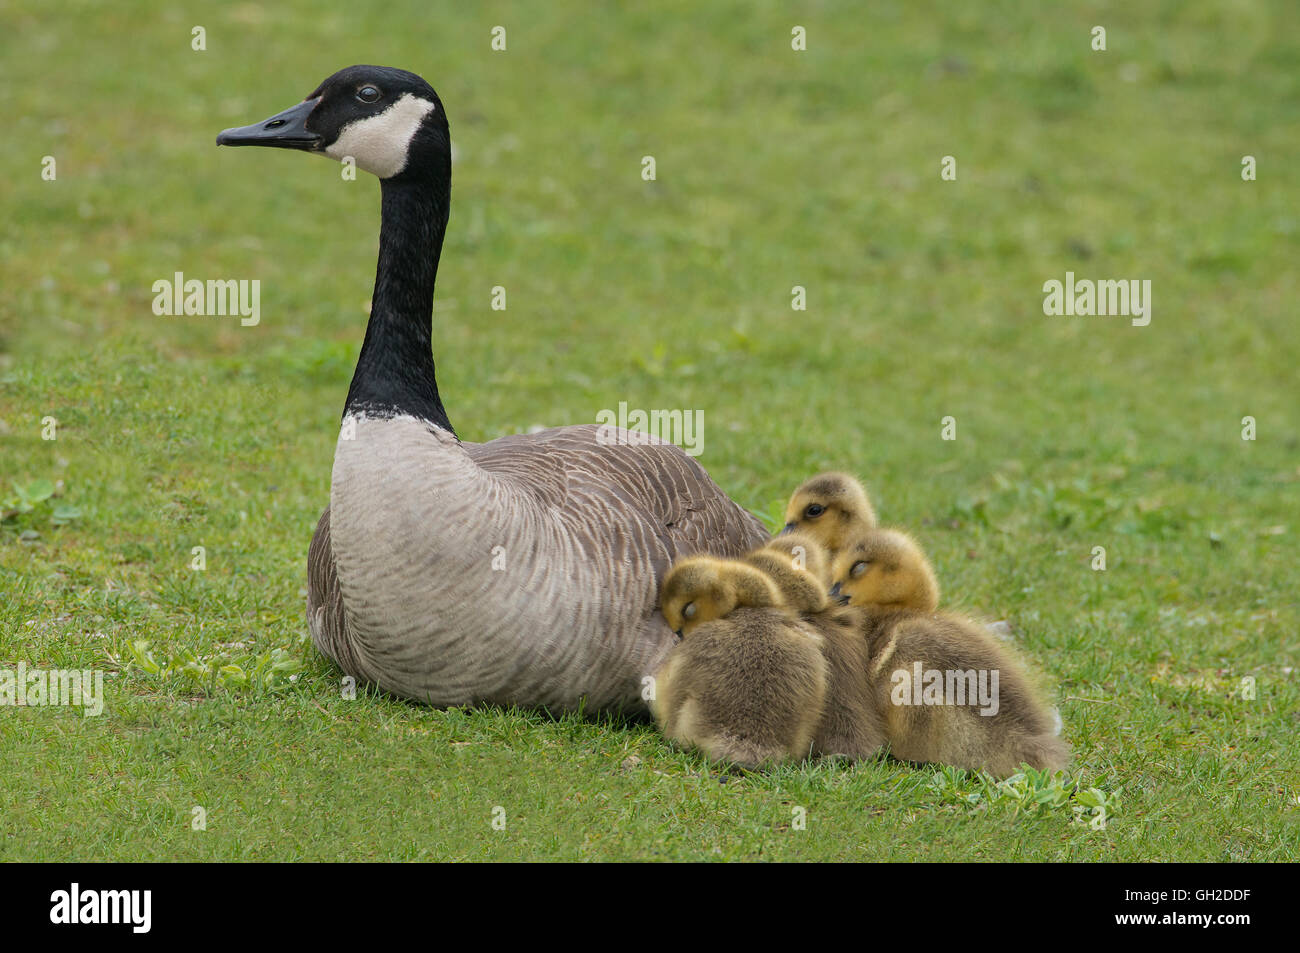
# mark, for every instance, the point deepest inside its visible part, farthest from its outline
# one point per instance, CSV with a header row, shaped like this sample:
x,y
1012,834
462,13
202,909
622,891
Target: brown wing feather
x,y
325,601
657,480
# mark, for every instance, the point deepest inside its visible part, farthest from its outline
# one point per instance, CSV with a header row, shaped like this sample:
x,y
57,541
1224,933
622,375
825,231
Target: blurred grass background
x,y
774,168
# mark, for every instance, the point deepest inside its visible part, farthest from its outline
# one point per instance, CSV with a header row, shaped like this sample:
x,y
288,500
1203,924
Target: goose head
x,y
832,508
388,121
885,568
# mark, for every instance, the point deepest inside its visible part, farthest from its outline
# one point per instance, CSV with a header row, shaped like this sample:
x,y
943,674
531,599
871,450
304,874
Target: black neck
x,y
394,373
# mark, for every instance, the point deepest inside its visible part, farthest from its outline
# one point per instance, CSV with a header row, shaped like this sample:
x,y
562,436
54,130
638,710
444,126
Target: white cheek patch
x,y
379,143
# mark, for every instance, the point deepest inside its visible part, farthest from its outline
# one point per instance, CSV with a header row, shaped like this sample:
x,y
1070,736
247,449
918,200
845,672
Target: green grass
x,y
774,169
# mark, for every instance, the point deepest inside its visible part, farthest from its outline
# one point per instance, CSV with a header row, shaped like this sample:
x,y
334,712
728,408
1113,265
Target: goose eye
x,y
688,611
814,510
368,94
859,568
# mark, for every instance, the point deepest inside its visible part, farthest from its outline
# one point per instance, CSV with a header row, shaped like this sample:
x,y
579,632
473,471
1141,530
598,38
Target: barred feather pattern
x,y
525,570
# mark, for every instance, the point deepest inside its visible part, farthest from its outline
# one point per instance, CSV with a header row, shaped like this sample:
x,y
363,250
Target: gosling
x,y
800,568
747,685
831,507
945,690
850,726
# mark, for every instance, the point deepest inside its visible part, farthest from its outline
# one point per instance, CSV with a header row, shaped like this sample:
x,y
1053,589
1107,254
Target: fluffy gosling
x,y
746,685
832,508
945,690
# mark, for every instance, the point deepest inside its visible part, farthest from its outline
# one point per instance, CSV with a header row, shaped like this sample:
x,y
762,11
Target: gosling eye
x,y
859,568
369,94
688,611
814,510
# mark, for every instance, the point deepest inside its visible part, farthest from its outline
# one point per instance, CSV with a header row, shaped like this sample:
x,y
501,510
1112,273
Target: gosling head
x,y
799,566
388,121
832,508
700,589
885,568
804,551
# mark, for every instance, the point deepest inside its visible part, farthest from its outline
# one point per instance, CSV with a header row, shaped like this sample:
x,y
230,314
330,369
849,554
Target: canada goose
x,y
886,568
946,691
699,589
523,570
832,508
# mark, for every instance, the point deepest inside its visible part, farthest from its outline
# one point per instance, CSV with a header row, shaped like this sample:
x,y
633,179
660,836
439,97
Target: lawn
x,y
225,736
